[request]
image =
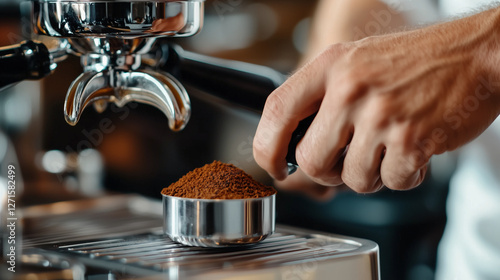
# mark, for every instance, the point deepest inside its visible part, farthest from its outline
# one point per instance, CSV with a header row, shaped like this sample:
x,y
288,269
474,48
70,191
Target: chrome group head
x,y
111,38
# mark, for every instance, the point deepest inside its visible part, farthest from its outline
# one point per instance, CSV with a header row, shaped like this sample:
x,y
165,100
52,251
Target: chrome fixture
x,y
111,37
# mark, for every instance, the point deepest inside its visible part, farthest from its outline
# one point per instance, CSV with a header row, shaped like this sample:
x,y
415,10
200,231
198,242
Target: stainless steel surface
x,y
124,19
36,266
156,255
291,168
218,222
157,89
103,217
110,37
87,232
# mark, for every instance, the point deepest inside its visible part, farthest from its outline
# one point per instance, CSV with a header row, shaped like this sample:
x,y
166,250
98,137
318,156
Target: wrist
x,y
476,40
487,54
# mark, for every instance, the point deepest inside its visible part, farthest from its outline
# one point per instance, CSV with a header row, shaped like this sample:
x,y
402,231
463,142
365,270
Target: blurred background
x,y
132,150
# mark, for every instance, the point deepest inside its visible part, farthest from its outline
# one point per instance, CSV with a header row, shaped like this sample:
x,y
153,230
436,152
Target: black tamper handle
x,y
297,135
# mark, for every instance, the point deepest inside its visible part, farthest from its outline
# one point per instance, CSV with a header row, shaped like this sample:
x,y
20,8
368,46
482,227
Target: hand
x,y
385,105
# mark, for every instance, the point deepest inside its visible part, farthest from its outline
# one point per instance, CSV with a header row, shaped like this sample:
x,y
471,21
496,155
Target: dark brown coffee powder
x,y
218,180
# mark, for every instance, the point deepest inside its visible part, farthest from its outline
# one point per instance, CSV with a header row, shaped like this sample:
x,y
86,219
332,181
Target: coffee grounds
x,y
218,180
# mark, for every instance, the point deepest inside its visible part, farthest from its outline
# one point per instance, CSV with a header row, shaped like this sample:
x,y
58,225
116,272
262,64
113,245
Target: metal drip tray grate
x,y
290,253
99,218
156,254
159,252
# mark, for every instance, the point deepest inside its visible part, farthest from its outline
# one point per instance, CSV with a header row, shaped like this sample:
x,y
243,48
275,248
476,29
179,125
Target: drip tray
x,y
290,253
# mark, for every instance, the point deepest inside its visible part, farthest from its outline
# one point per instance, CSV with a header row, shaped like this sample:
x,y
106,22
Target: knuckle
x,y
352,77
378,113
357,174
310,167
398,138
351,88
394,185
396,182
268,163
357,184
264,156
331,180
275,104
399,174
416,160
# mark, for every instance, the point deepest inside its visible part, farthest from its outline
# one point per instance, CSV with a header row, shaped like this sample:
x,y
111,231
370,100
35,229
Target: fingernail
x,y
280,176
421,176
418,178
379,185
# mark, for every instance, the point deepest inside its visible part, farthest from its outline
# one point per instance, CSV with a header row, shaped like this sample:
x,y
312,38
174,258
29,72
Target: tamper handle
x,y
297,135
25,61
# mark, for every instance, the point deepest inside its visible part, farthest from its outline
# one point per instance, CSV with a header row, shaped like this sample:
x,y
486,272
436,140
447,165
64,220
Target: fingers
x,y
319,154
361,171
400,171
299,97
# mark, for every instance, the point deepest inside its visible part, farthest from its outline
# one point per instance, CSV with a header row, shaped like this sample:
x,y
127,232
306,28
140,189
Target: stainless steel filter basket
x,y
218,222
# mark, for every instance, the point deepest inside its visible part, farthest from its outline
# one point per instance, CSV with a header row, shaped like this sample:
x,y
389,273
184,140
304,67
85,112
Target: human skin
x,y
337,21
385,105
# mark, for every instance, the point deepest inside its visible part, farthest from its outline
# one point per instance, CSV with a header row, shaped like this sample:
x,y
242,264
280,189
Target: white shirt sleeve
x,y
417,12
420,12
451,8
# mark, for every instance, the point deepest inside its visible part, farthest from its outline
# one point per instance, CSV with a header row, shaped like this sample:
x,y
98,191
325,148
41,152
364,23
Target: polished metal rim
x,y
218,222
120,19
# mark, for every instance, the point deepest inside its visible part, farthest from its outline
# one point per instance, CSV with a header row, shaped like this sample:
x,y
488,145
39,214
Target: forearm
x,y
338,21
488,52
475,38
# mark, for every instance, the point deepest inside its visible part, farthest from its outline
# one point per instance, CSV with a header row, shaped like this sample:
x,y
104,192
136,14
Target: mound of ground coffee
x,y
218,180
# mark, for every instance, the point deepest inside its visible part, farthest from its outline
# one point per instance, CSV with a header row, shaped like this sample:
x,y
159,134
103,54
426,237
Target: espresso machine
x,y
129,59
115,41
